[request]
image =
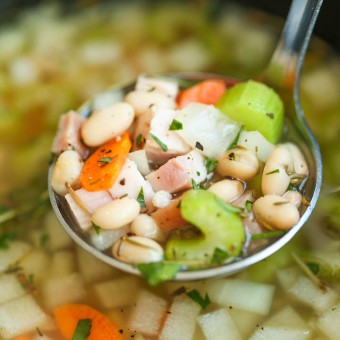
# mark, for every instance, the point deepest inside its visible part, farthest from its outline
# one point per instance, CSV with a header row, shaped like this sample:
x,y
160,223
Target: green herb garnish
x,y
140,198
44,237
176,125
276,171
30,279
105,160
96,228
196,186
313,267
292,187
219,256
159,142
196,296
5,238
158,272
235,141
82,330
268,234
139,140
249,206
210,164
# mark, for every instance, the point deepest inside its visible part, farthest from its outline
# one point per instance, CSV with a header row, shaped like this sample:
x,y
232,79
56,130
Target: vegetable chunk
x,y
219,222
256,106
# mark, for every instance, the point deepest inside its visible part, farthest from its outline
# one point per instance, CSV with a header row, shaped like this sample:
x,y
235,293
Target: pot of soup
x,y
55,56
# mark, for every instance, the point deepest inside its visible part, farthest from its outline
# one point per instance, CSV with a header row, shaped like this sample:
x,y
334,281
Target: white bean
x,y
137,249
144,225
293,197
107,123
299,164
275,212
66,170
161,199
116,214
142,100
275,179
239,163
227,189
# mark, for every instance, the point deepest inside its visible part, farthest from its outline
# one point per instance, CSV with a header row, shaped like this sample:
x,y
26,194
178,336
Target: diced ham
x,y
167,87
68,135
90,201
178,173
169,217
129,182
156,121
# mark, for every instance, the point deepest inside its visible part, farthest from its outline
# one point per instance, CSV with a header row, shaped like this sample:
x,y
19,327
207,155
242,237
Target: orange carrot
x,y
23,337
206,92
67,317
102,168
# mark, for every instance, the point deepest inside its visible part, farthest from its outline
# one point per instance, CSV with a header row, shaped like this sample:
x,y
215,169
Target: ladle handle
x,y
287,60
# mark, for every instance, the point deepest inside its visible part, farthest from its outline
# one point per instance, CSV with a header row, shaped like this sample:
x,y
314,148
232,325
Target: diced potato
x,y
245,321
63,263
57,237
36,263
10,288
286,324
246,295
16,251
254,141
92,269
288,276
218,325
181,320
65,289
118,292
305,291
147,314
329,322
19,316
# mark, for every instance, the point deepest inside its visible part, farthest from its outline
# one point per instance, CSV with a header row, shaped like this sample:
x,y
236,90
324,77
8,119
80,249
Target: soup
x,y
51,64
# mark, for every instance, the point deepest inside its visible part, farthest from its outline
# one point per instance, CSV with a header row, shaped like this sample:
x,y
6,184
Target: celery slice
x,y
256,106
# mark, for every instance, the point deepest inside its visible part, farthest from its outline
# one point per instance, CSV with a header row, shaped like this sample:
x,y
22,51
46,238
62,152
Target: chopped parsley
x,y
313,267
158,272
105,160
196,296
276,171
268,234
235,141
139,140
291,187
210,164
5,237
270,115
249,206
175,125
159,142
219,256
196,186
140,198
82,330
199,146
44,237
96,228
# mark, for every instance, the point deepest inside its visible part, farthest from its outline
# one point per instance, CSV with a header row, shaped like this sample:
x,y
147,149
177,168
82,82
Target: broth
x,y
48,66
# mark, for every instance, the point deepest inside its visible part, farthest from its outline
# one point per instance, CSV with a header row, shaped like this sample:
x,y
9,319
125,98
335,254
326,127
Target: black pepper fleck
x,y
122,182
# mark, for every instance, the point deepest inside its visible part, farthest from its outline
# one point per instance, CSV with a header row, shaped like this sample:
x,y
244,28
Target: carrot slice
x,y
102,168
67,317
206,92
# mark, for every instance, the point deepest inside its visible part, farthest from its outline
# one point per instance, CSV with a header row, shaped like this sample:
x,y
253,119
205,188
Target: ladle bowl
x,y
283,74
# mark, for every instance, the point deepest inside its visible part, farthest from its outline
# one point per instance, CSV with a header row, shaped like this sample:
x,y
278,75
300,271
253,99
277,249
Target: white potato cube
x,y
286,324
63,263
36,263
218,325
19,316
65,289
15,252
147,314
256,142
10,288
206,125
288,276
305,291
92,269
329,322
246,295
180,323
118,292
57,237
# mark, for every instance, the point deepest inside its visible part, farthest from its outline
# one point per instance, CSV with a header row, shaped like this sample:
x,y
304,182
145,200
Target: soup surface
x,y
50,64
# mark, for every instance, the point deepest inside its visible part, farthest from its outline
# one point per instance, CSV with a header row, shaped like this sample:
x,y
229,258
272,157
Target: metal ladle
x,y
283,73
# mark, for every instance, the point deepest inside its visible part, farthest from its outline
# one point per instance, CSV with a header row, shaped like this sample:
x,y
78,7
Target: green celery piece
x,y
221,227
256,106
